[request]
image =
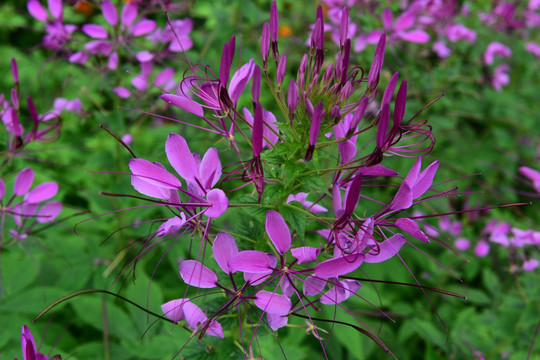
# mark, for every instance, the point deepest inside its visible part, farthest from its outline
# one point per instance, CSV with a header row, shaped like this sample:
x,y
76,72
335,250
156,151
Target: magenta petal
x,y
55,7
174,309
338,266
403,198
425,179
210,168
411,228
415,36
387,249
224,249
341,291
171,226
240,80
145,188
49,212
278,231
23,181
252,261
184,103
143,27
218,203
109,12
313,286
256,278
305,254
2,189
276,321
37,10
273,303
153,174
42,192
196,274
95,31
129,13
194,315
181,158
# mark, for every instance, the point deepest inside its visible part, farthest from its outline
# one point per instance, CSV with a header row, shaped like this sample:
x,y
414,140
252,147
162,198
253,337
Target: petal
x,y
49,212
171,226
273,303
95,31
196,274
224,249
37,10
256,278
481,249
305,254
42,192
109,12
184,103
425,179
174,309
210,168
194,315
411,228
340,292
23,181
313,285
153,174
218,203
143,27
338,266
403,198
252,261
278,231
181,158
387,249
240,80
145,188
2,189
55,7
415,36
276,321
129,13
80,57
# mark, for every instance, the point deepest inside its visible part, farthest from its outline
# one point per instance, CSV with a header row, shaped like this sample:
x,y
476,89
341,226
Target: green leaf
x,y
313,182
294,214
491,281
428,332
18,271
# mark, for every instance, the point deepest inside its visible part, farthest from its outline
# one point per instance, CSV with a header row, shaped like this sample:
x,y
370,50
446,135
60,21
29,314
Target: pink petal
x,y
143,27
224,249
403,198
153,174
129,13
42,192
184,103
112,63
273,303
305,254
462,244
171,226
181,158
55,7
240,80
341,291
145,188
530,265
37,10
252,261
256,278
23,181
387,249
218,201
109,12
338,266
313,286
174,309
276,321
411,228
278,231
415,36
164,76
2,189
95,31
425,179
99,47
80,57
49,212
481,249
210,168
196,274
122,92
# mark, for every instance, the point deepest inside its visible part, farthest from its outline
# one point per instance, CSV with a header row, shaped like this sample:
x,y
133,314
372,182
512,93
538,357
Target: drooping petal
x,y
411,227
278,231
273,303
276,321
151,190
181,158
338,266
174,309
210,168
196,274
37,10
95,31
341,291
109,12
218,203
153,174
171,226
387,249
305,254
23,181
49,212
313,285
224,248
42,192
252,261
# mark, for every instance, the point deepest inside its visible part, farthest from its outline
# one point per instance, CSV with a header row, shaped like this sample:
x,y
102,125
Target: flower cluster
x,y
325,146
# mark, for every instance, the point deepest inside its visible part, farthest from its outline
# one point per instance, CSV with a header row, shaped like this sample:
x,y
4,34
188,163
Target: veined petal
x,y
278,231
181,158
224,249
184,103
171,226
129,13
338,266
240,80
174,309
145,188
42,192
49,212
305,254
341,291
218,203
273,303
387,249
196,274
252,261
210,168
23,181
313,285
403,198
276,321
95,31
411,227
153,174
143,27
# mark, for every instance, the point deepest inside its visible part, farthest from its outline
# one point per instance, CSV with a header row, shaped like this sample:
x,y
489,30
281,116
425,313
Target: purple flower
x,y
495,48
500,77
